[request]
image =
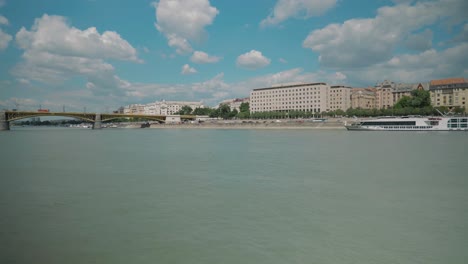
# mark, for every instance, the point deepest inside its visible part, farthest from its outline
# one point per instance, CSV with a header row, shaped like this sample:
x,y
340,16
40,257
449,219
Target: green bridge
x,y
96,118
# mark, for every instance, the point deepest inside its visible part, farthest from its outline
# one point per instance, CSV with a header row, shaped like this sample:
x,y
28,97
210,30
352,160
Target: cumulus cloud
x,y
4,37
285,9
54,52
182,21
410,68
202,57
420,42
252,60
53,34
3,20
186,69
212,85
463,36
363,42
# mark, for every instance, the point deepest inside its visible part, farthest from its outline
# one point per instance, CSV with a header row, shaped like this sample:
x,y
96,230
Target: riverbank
x,y
251,124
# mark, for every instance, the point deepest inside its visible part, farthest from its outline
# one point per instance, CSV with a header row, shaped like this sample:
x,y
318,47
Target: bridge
x,y
96,118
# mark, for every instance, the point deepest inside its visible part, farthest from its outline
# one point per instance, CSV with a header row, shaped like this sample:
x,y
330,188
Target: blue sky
x,y
102,54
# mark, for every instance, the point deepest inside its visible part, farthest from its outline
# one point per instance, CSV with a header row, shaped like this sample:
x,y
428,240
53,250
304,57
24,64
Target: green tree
x,y
244,107
202,111
224,111
404,101
420,98
185,110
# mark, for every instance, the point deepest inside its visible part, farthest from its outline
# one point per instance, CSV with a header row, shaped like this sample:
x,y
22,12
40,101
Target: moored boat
x,y
411,124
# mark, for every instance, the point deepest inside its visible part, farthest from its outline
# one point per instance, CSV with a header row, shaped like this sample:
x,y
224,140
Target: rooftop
x,y
448,81
289,86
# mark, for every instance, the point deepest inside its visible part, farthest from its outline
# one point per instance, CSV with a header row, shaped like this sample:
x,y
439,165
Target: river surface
x,y
232,196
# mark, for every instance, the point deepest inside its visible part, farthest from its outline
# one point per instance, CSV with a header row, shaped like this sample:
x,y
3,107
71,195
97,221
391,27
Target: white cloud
x,y
363,42
182,21
2,2
283,60
411,68
53,34
421,41
202,57
55,52
3,20
212,85
463,36
186,69
285,9
252,60
4,37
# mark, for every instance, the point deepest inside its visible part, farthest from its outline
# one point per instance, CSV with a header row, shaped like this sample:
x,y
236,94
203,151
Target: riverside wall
x,y
259,124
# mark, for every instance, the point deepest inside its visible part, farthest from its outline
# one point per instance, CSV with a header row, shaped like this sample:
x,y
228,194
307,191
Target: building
x,y
452,92
134,109
235,103
384,95
308,97
160,107
404,89
363,98
339,98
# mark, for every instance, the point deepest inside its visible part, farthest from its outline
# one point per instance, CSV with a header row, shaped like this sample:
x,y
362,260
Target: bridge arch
x,y
13,116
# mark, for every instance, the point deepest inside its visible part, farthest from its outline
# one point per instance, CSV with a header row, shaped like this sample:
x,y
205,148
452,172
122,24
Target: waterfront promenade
x,y
333,123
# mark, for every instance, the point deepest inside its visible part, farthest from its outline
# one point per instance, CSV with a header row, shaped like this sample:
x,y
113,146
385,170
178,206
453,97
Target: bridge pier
x,y
4,123
97,122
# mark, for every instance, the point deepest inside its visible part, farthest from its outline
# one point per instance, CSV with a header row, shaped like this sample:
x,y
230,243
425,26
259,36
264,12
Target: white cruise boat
x,y
412,124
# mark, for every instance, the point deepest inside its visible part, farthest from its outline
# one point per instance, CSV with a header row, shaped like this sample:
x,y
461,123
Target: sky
x,y
103,54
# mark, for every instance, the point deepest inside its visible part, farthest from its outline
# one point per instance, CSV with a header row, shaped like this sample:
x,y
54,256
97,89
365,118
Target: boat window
x,y
463,125
390,123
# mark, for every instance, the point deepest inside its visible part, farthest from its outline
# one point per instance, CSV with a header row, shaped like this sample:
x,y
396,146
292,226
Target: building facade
x,y
384,95
363,98
308,97
452,92
160,107
339,98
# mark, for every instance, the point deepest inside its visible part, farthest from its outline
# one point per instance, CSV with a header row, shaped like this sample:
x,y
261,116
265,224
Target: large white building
x,y
339,98
308,97
160,107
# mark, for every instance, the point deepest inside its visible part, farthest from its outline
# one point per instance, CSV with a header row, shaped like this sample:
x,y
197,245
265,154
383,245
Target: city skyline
x,y
101,54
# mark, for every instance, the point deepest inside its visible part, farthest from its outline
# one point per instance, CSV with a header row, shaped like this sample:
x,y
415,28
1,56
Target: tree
x,y
202,111
233,113
224,111
185,110
244,107
404,101
420,98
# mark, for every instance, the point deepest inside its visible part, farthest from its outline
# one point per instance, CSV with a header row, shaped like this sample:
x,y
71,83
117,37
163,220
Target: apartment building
x,y
363,98
339,98
160,107
384,95
450,92
307,97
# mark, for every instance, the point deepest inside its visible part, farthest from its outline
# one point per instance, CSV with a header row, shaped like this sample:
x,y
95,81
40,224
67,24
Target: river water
x,y
232,196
